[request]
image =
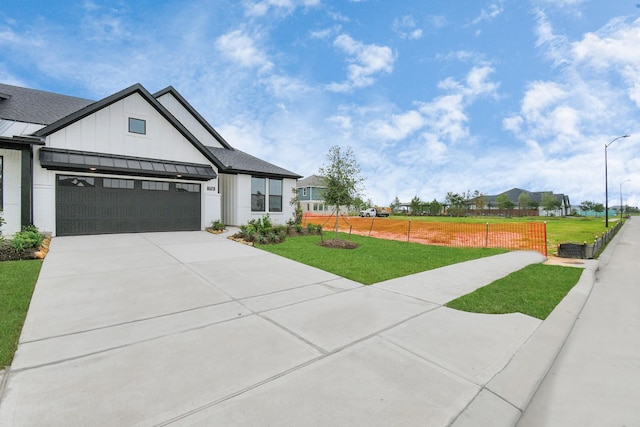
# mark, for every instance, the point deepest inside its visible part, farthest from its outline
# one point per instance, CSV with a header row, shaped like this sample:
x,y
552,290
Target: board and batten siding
x,y
228,199
106,131
11,190
188,121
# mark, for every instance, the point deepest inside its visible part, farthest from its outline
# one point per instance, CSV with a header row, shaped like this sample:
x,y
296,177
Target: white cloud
x,y
540,95
406,27
436,21
105,24
554,46
398,127
616,48
324,33
365,61
495,10
241,48
560,3
261,8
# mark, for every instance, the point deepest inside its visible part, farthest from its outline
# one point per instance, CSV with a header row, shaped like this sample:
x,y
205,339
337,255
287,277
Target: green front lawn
x,y
17,281
535,290
375,260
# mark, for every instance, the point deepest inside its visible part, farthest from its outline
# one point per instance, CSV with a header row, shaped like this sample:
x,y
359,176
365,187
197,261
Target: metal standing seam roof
x,y
236,161
84,161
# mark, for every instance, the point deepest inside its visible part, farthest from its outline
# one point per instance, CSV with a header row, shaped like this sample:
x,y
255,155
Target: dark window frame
x,y
134,123
258,195
275,200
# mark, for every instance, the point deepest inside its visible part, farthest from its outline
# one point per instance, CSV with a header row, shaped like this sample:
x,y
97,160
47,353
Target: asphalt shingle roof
x,y
312,181
36,106
236,161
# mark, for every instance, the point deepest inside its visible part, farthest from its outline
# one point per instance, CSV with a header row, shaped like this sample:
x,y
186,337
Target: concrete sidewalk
x,y
595,380
194,329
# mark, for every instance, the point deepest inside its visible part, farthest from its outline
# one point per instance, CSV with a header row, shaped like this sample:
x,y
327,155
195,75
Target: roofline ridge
x,y
181,99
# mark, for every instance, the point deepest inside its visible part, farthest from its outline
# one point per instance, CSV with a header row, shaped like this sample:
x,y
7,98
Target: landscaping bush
x,y
28,238
262,231
23,245
217,225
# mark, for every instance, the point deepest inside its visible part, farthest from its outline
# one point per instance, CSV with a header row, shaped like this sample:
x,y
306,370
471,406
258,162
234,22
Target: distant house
x,y
491,203
130,162
311,199
310,195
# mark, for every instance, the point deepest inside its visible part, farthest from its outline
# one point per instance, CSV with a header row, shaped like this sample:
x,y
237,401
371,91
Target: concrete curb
x,y
518,382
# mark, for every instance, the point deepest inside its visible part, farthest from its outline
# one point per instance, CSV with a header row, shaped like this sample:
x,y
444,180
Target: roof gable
x,y
170,90
134,89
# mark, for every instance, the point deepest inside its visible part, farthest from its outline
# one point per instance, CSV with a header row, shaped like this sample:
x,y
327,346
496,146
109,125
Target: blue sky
x,y
431,96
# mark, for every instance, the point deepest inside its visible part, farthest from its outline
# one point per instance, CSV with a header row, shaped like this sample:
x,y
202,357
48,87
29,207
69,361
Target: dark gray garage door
x,y
96,205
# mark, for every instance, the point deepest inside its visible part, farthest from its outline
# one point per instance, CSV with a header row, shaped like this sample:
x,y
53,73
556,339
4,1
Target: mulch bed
x,y
338,244
7,253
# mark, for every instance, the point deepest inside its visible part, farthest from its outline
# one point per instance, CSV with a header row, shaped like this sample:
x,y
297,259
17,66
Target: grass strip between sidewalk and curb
x,y
534,290
374,260
17,282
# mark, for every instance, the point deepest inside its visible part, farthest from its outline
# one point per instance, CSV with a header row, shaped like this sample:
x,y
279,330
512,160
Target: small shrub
x,y
217,225
28,238
262,231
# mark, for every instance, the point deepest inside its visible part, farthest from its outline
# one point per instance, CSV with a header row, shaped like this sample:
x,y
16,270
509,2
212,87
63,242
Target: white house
x,y
131,162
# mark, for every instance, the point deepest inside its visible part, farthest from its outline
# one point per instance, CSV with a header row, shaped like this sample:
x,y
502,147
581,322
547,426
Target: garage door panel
x,y
123,206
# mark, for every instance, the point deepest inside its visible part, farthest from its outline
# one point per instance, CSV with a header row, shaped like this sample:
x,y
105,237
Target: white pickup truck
x,y
374,212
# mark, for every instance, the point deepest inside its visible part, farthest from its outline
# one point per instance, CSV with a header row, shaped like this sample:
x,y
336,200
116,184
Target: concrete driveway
x,y
190,328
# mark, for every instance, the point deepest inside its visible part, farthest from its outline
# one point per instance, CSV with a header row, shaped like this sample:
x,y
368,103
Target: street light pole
x,y
606,182
621,197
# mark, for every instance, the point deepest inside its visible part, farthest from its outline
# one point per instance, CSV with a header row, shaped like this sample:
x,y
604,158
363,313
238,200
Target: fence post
x,y
371,228
486,236
409,231
546,251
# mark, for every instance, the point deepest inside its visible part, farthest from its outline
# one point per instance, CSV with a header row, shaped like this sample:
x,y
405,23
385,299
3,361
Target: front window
x,y
258,191
275,195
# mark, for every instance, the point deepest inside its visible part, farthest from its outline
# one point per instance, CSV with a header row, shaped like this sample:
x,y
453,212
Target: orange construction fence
x,y
512,235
